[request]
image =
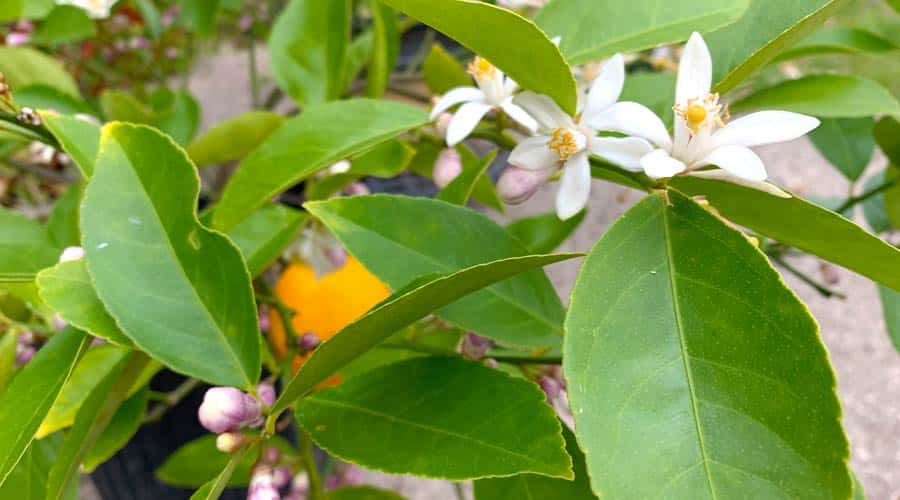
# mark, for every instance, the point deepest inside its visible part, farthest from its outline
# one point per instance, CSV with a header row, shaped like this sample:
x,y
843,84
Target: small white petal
x,y
510,86
464,121
454,97
533,154
658,164
607,87
694,70
574,186
722,175
765,127
635,119
519,115
738,160
624,152
547,113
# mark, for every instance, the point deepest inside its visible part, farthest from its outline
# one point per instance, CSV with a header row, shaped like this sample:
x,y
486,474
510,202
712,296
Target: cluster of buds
x,y
26,348
267,477
344,475
299,487
554,388
20,33
227,410
474,347
29,116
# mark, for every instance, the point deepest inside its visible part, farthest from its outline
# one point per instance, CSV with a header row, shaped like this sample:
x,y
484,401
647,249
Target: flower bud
x,y
97,341
230,442
171,53
551,387
24,353
59,323
281,476
443,123
139,43
262,485
266,393
271,455
245,23
226,409
516,185
17,38
71,253
447,167
299,487
356,189
341,167
265,322
475,346
491,363
308,342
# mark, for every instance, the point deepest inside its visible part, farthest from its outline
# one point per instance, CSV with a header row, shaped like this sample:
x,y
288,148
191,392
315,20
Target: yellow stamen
x,y
695,114
562,142
481,69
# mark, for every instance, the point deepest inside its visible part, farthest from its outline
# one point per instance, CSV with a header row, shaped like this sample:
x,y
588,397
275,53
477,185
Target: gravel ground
x,y
867,366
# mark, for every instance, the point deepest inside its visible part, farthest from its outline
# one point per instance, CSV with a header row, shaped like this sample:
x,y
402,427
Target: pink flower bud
x,y
442,123
24,25
230,442
356,189
97,341
271,455
309,341
262,485
516,185
138,43
226,409
447,167
336,256
551,387
59,323
266,393
71,253
172,53
475,346
245,23
24,353
265,322
17,38
281,476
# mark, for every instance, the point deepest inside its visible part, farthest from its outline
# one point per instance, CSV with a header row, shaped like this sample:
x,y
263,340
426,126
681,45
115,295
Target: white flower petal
x,y
624,152
738,160
533,154
722,175
574,186
635,119
455,96
519,115
607,87
547,113
658,164
465,120
765,127
510,86
694,70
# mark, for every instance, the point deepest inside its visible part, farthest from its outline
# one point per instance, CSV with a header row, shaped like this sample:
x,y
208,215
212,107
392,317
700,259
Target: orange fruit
x,y
325,305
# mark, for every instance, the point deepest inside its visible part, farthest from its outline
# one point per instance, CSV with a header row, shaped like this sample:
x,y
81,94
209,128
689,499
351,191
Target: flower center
x,y
565,142
481,69
702,113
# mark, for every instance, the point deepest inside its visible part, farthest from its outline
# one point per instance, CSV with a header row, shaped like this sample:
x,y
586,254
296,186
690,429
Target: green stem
x,y
822,289
854,200
172,399
306,454
286,313
11,123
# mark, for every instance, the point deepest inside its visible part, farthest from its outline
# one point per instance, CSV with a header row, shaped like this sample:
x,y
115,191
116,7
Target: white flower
x,y
566,142
97,9
702,137
494,91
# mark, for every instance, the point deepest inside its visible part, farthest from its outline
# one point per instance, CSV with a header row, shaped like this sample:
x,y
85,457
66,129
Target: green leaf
x,y
92,420
846,143
654,90
839,40
430,412
858,492
25,247
8,343
139,225
124,424
65,24
442,71
404,307
361,493
826,96
80,139
594,30
887,135
766,29
384,160
534,487
31,393
308,49
512,43
693,371
874,208
431,236
892,196
810,227
263,235
316,139
67,289
28,480
385,48
200,15
24,66
122,106
473,169
48,98
62,225
544,233
234,138
199,461
890,303
213,489
181,118
151,17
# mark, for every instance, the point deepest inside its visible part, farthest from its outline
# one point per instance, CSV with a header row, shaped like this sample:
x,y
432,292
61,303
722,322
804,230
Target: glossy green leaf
x,y
544,233
887,135
122,106
31,393
593,30
890,303
151,16
859,493
431,236
316,139
67,289
404,307
308,49
214,488
200,15
124,424
534,487
766,29
385,48
80,139
847,143
874,208
262,236
839,40
430,414
509,41
825,96
234,138
28,481
24,66
892,196
62,225
181,118
139,225
92,420
199,461
442,71
64,24
693,371
43,97
473,169
361,493
25,247
8,343
810,227
384,160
